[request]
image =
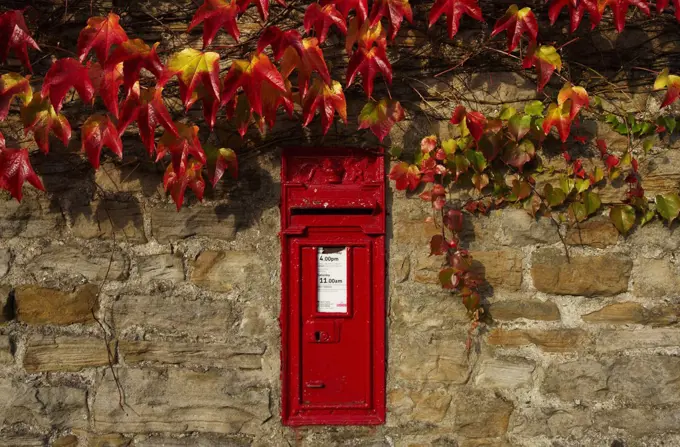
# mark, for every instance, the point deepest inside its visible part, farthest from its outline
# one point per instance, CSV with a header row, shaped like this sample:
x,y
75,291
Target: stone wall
x,y
127,323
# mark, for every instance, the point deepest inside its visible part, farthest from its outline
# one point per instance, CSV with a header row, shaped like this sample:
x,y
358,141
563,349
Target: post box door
x,y
334,373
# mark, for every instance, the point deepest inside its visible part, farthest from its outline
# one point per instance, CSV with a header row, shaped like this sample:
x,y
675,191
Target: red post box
x,y
333,287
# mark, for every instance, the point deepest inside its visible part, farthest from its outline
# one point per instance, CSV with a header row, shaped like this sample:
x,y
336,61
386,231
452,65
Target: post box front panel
x,y
333,370
333,287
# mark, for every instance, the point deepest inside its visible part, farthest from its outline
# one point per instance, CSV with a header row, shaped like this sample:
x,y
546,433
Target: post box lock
x,y
332,287
321,331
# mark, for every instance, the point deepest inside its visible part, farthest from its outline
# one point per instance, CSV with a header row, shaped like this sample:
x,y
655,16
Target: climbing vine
x,y
495,158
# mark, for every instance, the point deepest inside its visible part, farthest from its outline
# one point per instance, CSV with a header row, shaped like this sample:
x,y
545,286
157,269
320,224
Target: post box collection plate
x,y
332,287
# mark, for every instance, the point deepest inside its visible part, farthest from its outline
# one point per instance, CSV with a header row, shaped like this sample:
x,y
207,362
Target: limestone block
x,y
161,267
47,354
218,355
582,275
38,305
177,401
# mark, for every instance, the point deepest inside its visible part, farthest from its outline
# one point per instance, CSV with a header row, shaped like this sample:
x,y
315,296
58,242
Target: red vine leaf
x,y
473,122
194,68
180,146
14,35
438,245
272,99
672,82
405,176
219,161
576,12
559,115
40,117
145,105
98,131
328,99
135,55
394,10
578,97
454,10
360,7
519,154
545,59
369,63
517,22
15,169
320,18
11,85
63,75
251,75
106,83
216,14
100,34
262,6
190,176
380,116
619,10
280,41
309,60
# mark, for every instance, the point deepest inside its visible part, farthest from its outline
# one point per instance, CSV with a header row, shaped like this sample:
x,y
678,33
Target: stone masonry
x,y
126,323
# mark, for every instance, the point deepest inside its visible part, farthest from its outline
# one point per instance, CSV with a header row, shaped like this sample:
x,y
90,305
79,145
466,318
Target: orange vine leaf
x,y
320,18
250,75
671,83
98,131
99,35
394,10
328,99
545,59
11,85
381,116
189,176
454,10
180,146
517,22
40,117
136,55
106,83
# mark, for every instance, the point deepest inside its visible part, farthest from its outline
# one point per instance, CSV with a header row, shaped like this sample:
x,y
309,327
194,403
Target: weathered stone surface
x,y
631,312
38,305
502,269
582,275
598,233
414,232
530,309
218,222
427,311
109,219
401,269
518,228
647,379
103,440
430,361
22,441
42,407
431,405
490,416
70,261
559,340
172,313
66,441
582,379
193,440
633,339
128,177
160,267
30,218
656,278
177,401
48,354
6,357
639,421
192,354
222,271
509,373
5,258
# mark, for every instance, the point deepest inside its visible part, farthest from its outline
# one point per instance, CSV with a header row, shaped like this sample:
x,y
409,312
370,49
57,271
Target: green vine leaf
x,y
623,218
668,206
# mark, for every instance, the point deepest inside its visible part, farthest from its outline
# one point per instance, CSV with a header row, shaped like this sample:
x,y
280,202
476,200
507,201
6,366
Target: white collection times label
x,y
332,279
